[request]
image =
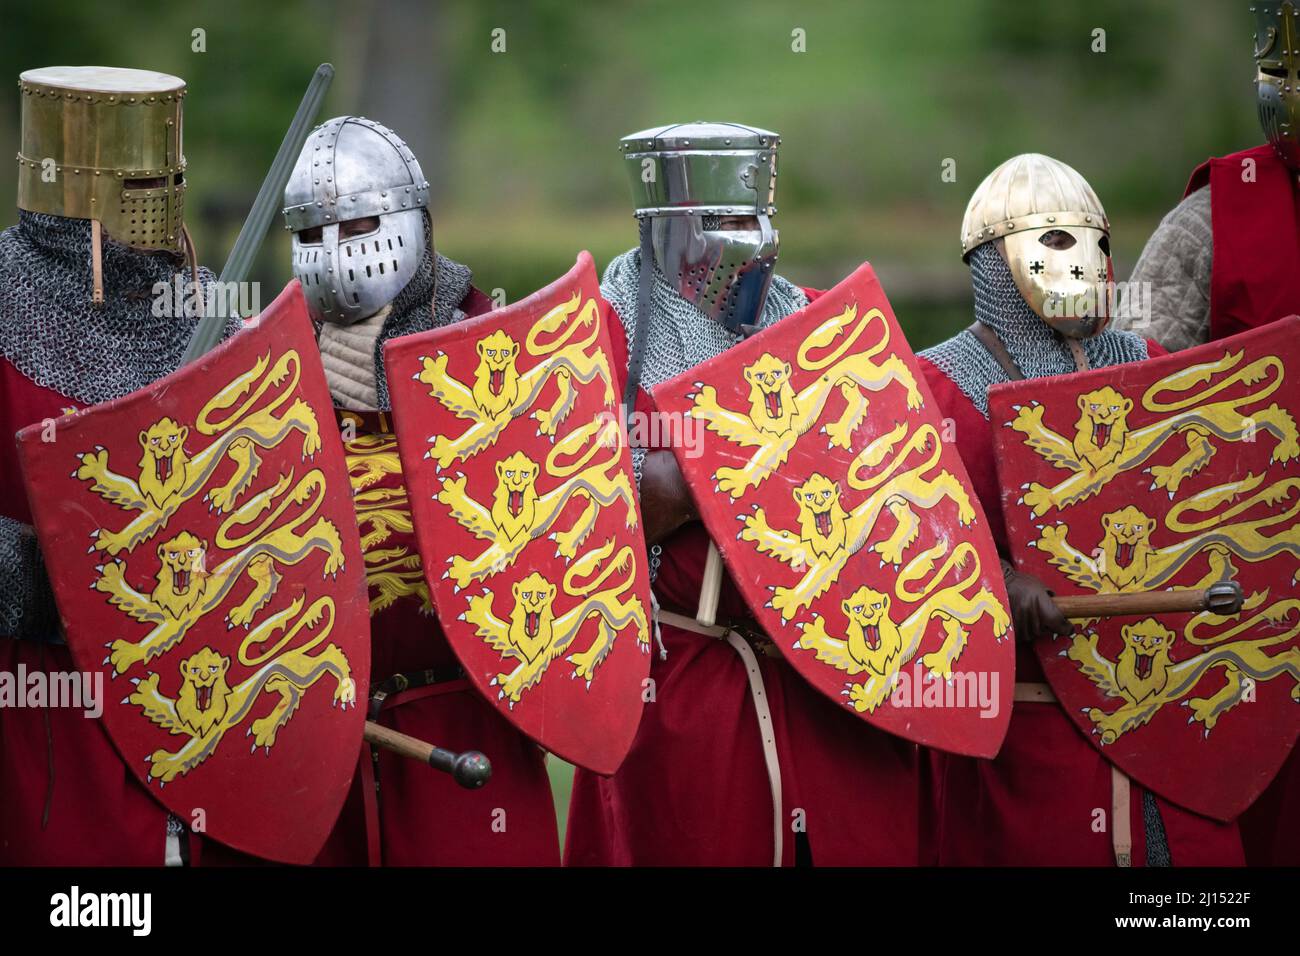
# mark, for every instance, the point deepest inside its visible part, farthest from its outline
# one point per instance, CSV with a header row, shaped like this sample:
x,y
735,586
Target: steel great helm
x,y
1056,240
356,202
1277,82
104,144
709,191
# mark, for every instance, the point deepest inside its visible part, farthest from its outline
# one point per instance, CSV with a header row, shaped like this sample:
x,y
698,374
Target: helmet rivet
x,y
1051,219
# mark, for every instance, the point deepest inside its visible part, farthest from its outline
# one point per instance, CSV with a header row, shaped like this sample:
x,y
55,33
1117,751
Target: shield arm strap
x,y
993,345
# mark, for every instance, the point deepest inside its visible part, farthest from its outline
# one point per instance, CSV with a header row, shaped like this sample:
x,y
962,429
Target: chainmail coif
x,y
1037,349
414,309
680,336
52,332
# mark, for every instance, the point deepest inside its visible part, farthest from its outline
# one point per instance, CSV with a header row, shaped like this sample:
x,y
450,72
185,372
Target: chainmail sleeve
x,y
27,608
1176,266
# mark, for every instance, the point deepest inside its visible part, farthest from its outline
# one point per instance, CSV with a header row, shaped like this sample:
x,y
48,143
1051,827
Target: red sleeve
x,y
973,437
1155,349
22,403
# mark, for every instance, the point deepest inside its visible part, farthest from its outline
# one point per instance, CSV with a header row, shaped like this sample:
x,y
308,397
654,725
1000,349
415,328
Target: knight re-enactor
x,y
357,203
698,786
1037,241
1227,259
101,185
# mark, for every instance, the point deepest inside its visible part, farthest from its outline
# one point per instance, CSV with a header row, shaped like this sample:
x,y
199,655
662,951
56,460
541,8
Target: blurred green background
x,y
521,145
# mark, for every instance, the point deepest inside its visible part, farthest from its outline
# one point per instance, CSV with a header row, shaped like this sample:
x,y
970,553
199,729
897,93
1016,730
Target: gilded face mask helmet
x,y
1277,82
696,182
356,202
1055,238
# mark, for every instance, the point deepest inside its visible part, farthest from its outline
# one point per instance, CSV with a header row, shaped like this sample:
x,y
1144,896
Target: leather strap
x,y
993,345
97,261
367,765
400,683
766,730
1080,354
1034,693
1121,830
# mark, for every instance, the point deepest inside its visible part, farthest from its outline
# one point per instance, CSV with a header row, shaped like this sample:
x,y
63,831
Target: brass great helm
x,y
356,203
1277,82
104,144
693,180
1055,238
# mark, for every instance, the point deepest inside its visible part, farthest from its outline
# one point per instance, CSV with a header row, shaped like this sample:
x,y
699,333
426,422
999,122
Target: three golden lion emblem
x,y
1132,550
530,503
271,529
898,475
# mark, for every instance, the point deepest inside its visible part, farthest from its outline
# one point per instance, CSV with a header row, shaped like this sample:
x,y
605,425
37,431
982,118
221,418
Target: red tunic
x,y
1254,280
1036,802
424,817
99,814
1255,270
694,789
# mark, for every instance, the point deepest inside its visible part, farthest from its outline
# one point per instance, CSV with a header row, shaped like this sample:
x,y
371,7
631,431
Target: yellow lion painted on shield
x,y
1126,560
1104,445
500,393
169,477
829,535
777,416
1145,677
535,634
877,646
207,706
187,590
520,514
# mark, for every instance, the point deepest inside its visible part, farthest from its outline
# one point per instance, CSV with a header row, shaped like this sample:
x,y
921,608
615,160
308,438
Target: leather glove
x,y
1033,612
666,502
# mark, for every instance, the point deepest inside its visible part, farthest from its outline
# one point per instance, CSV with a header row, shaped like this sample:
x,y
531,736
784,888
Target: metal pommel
x,y
709,169
104,143
470,769
1224,597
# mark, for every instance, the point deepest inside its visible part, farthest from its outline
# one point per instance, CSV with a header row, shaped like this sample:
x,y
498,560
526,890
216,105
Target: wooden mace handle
x,y
1224,597
471,769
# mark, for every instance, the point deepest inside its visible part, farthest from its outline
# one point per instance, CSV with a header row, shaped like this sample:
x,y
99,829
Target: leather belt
x,y
746,646
400,682
368,767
